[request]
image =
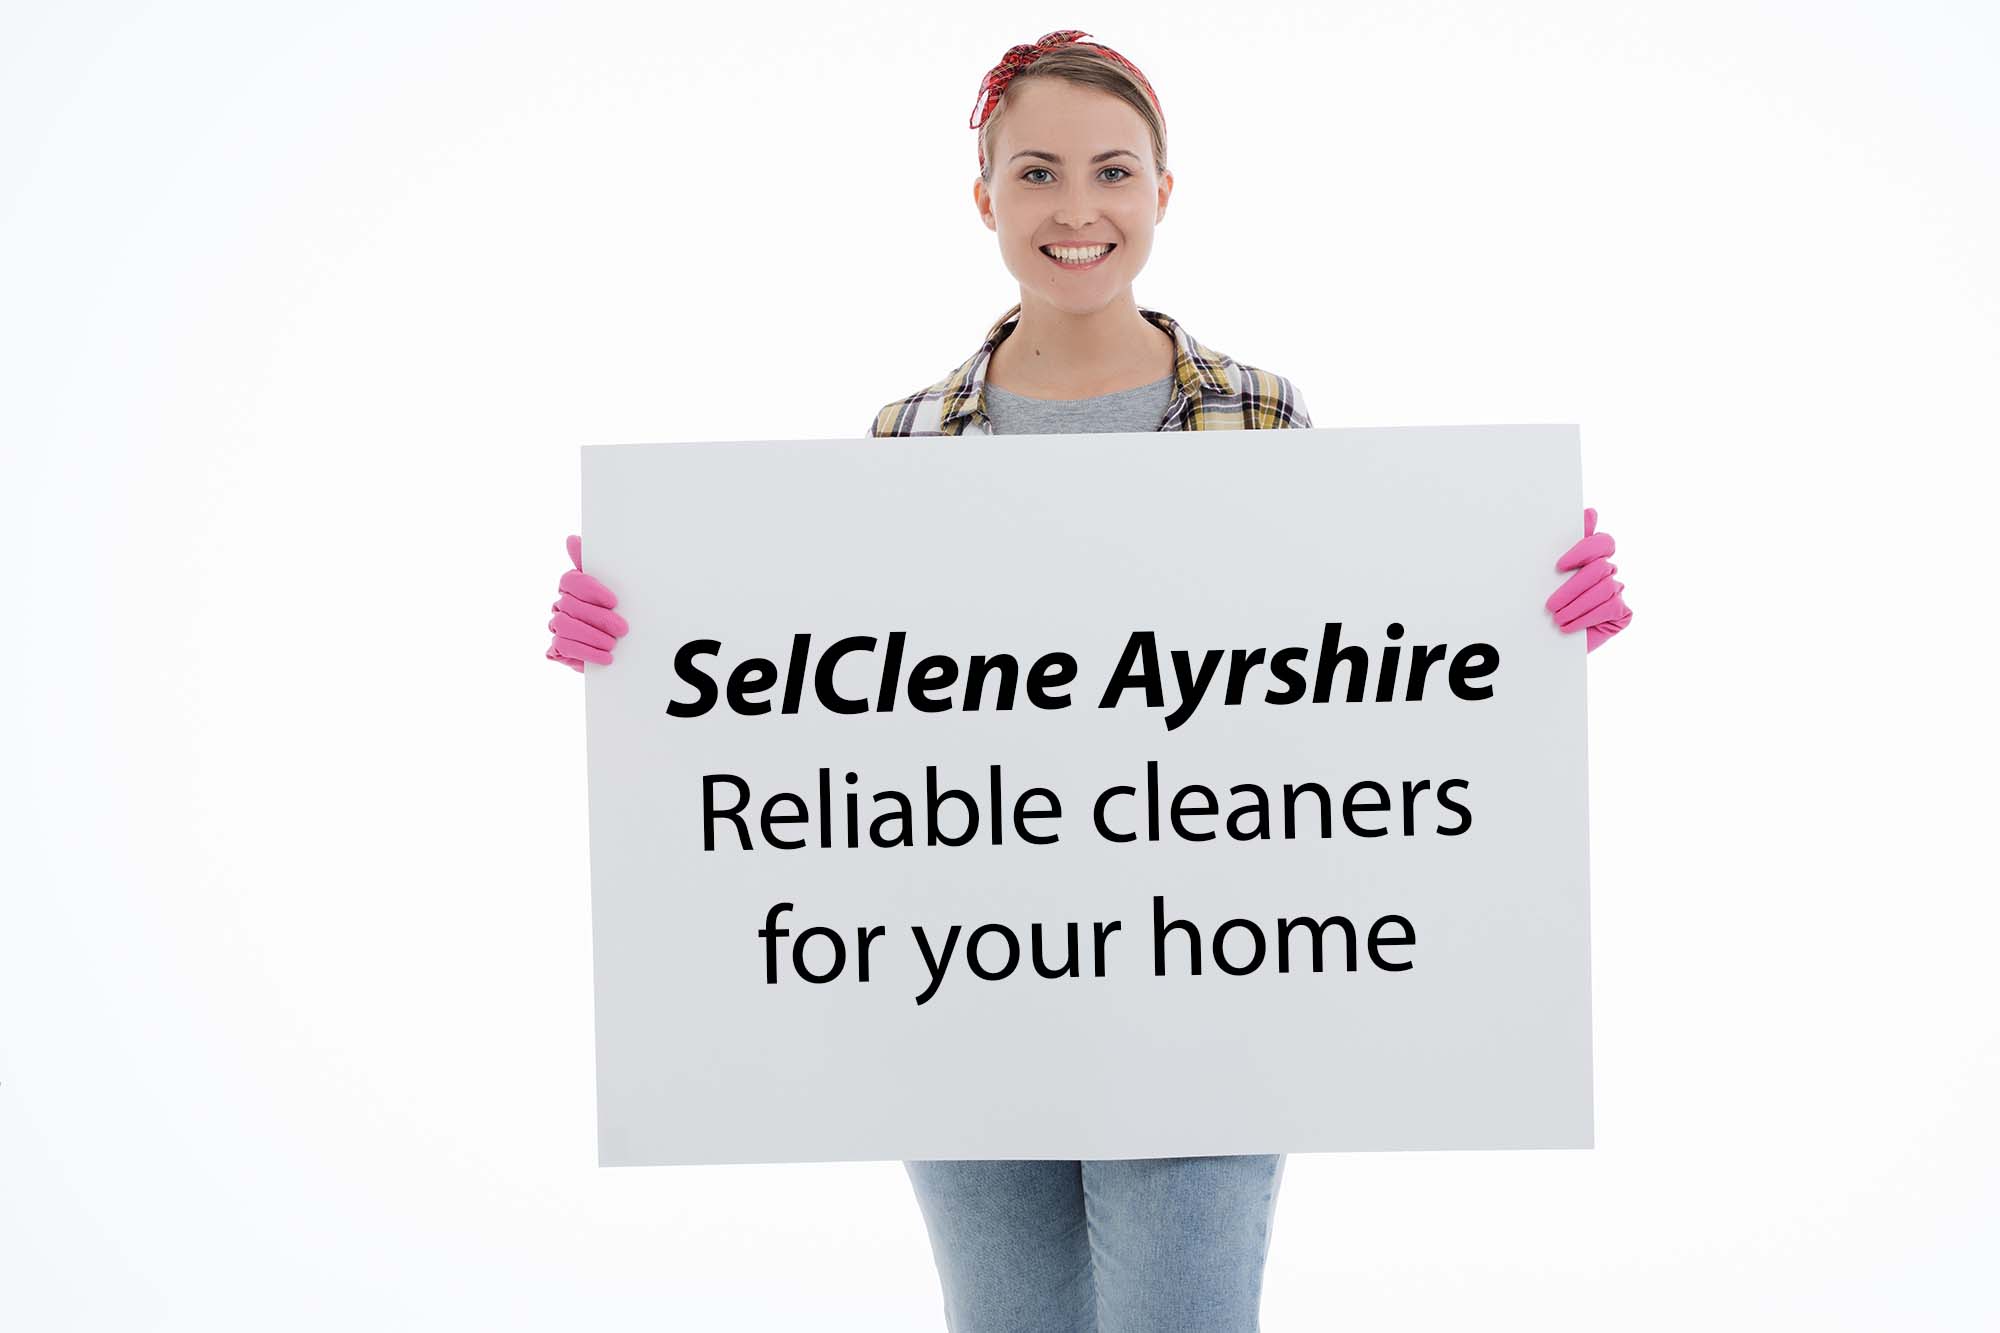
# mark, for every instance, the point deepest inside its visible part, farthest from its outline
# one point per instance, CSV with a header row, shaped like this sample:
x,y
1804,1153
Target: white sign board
x,y
1088,796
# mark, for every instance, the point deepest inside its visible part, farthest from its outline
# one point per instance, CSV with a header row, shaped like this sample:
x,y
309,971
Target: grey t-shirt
x,y
1128,409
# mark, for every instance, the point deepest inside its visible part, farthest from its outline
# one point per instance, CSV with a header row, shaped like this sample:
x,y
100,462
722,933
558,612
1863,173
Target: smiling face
x,y
1072,168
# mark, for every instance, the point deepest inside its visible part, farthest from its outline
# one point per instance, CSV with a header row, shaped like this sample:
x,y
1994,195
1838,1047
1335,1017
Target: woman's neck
x,y
1054,354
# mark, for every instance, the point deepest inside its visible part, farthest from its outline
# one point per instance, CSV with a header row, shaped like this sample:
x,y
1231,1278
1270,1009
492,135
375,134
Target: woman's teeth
x,y
1064,254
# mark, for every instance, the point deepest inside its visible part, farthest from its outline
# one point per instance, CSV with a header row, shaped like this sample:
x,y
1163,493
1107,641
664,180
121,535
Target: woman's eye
x,y
1029,174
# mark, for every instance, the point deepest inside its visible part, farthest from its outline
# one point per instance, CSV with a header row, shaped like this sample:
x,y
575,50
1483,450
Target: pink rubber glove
x,y
1590,601
586,627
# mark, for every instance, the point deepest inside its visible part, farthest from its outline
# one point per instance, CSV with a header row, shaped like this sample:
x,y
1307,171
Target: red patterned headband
x,y
1019,58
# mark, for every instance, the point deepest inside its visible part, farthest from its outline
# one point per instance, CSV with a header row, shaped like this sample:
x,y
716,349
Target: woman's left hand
x,y
1590,601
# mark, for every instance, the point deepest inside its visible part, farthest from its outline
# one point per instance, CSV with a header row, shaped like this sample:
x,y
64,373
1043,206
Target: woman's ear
x,y
1166,188
984,203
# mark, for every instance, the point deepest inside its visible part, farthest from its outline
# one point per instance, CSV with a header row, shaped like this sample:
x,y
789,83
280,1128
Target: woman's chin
x,y
1075,298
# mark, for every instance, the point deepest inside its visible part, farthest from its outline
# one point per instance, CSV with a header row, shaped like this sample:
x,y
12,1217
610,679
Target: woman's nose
x,y
1076,209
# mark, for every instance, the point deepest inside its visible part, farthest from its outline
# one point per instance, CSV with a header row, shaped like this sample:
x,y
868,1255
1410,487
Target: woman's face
x,y
1072,166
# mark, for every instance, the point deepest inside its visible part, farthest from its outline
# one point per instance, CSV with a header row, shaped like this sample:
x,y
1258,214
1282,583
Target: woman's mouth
x,y
1078,256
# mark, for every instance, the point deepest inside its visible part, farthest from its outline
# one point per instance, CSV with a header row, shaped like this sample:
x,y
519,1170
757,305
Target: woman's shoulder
x,y
921,413
937,409
952,405
1228,394
1264,399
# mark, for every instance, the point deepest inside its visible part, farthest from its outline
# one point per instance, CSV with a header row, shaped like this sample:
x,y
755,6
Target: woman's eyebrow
x,y
1051,157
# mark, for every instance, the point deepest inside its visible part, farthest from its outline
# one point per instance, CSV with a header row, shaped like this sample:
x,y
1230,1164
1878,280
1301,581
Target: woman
x,y
1073,179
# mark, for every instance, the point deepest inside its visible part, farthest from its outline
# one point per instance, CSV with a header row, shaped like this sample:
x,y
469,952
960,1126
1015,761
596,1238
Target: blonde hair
x,y
1089,68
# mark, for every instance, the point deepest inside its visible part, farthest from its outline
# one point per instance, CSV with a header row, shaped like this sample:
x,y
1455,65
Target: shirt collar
x,y
1197,369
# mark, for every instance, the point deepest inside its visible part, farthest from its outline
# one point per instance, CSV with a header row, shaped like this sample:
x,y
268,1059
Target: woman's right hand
x,y
586,628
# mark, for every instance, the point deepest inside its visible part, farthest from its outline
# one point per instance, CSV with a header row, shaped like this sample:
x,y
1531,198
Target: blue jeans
x,y
1146,1245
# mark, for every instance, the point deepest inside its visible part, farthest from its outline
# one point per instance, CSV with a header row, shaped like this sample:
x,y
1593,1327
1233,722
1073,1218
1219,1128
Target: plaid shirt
x,y
1210,392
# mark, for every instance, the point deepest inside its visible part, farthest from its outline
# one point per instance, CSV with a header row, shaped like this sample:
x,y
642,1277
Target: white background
x,y
304,312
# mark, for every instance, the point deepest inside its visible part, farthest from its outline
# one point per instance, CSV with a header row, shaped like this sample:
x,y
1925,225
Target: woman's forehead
x,y
1055,115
